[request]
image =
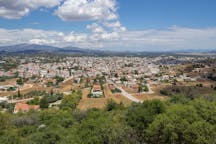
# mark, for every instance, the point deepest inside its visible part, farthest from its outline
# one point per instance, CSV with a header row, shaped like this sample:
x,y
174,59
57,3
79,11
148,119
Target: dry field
x,y
149,97
9,82
87,103
92,103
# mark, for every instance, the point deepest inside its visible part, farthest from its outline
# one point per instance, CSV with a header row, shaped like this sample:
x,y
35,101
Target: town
x,y
26,80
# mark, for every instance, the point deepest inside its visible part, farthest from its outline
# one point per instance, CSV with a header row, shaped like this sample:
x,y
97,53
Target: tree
x,y
44,103
200,132
145,89
99,127
136,72
4,123
35,101
70,102
20,81
183,124
51,92
139,116
59,79
140,89
19,95
123,79
111,105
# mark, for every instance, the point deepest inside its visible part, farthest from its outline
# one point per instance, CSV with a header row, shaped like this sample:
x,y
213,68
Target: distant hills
x,y
40,49
36,49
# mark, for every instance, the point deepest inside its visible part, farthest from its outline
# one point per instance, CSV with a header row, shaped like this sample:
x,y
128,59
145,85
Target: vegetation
x,y
116,90
70,102
211,77
8,65
123,79
177,120
59,79
44,103
51,97
35,101
187,91
20,81
143,88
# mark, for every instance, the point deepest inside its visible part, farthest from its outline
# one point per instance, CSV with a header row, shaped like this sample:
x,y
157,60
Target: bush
x,y
20,81
70,102
25,120
111,105
116,90
35,101
44,103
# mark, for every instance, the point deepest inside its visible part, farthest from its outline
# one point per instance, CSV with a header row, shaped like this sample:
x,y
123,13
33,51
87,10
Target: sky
x,y
121,25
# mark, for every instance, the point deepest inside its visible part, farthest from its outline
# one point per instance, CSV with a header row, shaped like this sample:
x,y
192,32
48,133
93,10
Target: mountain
x,y
27,47
40,49
35,49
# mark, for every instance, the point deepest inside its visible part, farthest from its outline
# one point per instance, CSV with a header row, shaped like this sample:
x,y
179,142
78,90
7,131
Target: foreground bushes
x,y
179,120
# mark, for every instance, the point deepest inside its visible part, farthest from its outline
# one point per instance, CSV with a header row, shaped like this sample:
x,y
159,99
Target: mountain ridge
x,y
36,48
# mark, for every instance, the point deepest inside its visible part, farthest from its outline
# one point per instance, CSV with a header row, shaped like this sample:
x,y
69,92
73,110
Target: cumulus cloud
x,y
113,24
41,41
151,39
15,9
75,38
95,28
77,10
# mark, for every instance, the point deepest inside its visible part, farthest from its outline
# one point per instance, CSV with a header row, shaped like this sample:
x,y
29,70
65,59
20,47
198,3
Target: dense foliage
x,y
179,120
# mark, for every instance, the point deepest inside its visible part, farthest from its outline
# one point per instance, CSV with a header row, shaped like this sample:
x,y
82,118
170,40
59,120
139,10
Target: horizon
x,y
110,25
31,47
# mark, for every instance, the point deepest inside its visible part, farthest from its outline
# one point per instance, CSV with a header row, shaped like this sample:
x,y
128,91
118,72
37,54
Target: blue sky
x,y
142,14
110,24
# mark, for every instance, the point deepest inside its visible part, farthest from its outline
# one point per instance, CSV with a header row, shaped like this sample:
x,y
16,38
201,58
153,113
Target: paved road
x,y
21,100
71,77
125,94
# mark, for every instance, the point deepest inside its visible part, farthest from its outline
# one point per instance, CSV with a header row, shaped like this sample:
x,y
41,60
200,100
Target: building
x,y
3,99
23,107
97,91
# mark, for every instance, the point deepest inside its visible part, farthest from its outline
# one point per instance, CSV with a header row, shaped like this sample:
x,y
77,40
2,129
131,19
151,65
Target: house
x,y
23,107
3,99
97,91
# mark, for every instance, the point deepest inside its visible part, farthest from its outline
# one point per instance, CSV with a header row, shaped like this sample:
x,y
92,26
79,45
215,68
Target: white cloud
x,y
168,39
42,41
113,24
75,38
77,10
15,9
95,28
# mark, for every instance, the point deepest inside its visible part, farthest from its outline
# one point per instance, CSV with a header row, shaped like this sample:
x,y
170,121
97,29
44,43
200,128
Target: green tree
x,y
139,116
70,102
20,81
44,103
19,95
172,126
98,127
4,121
35,101
59,79
111,104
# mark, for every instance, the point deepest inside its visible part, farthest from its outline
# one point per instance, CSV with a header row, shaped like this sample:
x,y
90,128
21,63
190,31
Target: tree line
x,y
178,120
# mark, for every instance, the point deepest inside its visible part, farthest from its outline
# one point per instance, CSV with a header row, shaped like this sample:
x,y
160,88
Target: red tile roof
x,y
24,107
96,88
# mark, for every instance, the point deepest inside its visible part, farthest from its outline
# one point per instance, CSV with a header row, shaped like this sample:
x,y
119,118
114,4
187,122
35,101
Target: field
x,y
87,103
